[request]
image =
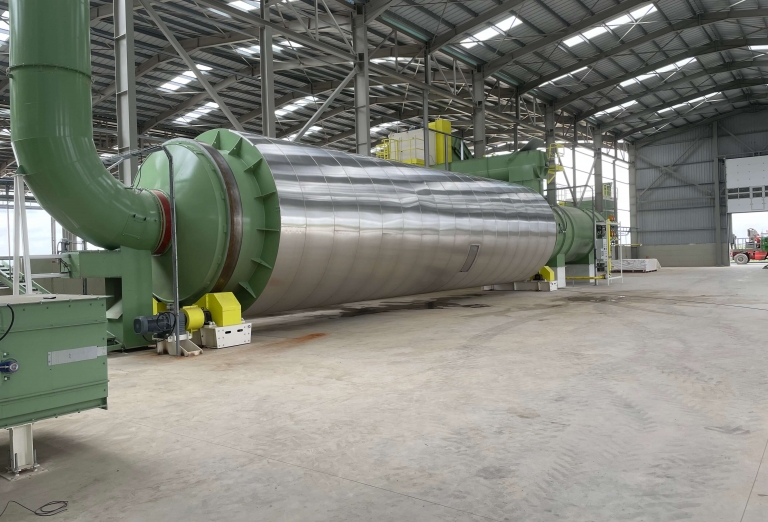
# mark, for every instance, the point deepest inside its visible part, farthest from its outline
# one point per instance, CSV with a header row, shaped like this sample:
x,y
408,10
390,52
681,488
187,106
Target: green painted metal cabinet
x,y
59,343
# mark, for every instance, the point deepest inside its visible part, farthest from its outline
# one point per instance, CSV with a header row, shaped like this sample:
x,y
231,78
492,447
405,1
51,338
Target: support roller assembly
x,y
280,224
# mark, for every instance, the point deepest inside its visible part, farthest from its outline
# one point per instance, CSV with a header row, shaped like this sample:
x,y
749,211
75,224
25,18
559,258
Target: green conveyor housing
x,y
60,345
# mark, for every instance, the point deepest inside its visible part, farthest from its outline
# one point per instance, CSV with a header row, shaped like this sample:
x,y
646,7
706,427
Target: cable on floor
x,y
46,510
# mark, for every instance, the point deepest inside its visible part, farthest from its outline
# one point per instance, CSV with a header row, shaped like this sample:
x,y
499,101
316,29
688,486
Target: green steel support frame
x,y
127,276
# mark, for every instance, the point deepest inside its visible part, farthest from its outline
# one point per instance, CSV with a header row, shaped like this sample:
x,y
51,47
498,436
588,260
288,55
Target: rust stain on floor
x,y
295,341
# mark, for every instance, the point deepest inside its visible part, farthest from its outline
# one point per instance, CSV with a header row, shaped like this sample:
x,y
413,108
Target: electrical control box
x,y
601,246
53,356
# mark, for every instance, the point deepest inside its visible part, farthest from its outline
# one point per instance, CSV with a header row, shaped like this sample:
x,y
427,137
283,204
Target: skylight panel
x,y
568,75
508,23
248,51
615,108
498,29
196,113
486,34
253,50
244,6
4,27
183,79
307,100
292,44
667,68
312,130
622,20
383,126
220,13
675,66
595,31
630,18
641,12
285,110
638,79
575,40
689,103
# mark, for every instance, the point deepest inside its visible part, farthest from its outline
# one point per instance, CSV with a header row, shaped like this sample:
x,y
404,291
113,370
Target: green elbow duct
x,y
52,131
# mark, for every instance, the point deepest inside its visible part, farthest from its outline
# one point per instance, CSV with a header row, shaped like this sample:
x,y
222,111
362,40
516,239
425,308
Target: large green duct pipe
x,y
52,131
575,233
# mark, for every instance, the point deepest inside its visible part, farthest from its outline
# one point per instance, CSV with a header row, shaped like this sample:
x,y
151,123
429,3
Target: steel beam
x,y
669,171
684,128
376,8
282,133
125,81
597,142
266,67
168,54
191,64
716,195
425,104
517,116
325,105
496,64
714,47
402,79
693,112
259,21
250,72
549,140
231,38
675,84
399,116
107,10
445,38
189,103
313,89
739,84
478,118
700,20
633,203
362,85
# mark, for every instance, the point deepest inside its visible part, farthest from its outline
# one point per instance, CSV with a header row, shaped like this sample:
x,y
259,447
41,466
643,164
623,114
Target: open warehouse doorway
x,y
747,187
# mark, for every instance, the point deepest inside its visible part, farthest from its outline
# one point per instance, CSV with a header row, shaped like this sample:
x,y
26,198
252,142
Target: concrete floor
x,y
643,401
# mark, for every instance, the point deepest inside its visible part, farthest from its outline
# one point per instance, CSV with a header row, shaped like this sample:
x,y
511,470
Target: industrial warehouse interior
x,y
383,260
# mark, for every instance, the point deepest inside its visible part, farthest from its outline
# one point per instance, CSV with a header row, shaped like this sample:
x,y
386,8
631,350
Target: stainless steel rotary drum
x,y
355,228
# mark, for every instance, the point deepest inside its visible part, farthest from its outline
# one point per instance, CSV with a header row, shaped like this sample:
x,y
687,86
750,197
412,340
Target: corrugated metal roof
x,y
417,22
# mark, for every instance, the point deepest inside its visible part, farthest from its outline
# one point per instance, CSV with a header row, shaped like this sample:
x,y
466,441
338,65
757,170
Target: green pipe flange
x,y
261,213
